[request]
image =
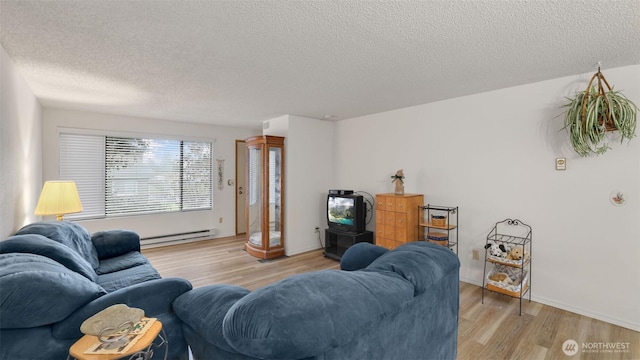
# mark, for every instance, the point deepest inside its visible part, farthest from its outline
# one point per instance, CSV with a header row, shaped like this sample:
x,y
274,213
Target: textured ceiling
x,y
240,62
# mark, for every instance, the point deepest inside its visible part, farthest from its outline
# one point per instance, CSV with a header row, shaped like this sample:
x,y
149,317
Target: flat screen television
x,y
346,213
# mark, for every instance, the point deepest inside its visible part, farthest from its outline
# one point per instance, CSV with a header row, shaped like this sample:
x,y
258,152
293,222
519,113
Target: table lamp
x,y
59,198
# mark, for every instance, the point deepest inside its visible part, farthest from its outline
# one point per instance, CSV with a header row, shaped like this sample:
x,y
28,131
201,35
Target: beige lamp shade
x,y
59,198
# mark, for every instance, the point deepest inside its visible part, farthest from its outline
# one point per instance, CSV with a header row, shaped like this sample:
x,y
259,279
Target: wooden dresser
x,y
397,219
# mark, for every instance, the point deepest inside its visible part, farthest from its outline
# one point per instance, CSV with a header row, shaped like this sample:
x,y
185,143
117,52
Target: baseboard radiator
x,y
170,239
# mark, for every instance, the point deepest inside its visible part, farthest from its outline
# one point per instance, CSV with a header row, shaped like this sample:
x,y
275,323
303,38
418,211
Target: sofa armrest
x,y
203,309
112,243
155,297
360,255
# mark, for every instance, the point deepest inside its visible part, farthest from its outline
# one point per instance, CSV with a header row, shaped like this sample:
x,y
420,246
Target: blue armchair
x,y
55,275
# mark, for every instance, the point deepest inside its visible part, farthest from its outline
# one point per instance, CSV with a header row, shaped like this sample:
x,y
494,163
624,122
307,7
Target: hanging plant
x,y
594,112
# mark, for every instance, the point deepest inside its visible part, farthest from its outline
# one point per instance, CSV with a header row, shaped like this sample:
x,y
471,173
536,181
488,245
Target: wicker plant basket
x,y
596,111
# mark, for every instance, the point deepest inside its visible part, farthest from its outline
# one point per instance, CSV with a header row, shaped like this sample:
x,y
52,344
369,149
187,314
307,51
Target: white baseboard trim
x,y
183,240
471,281
178,238
606,318
585,312
301,251
173,242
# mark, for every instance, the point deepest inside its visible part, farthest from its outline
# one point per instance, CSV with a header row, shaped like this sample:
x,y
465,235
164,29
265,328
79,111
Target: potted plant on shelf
x,y
594,112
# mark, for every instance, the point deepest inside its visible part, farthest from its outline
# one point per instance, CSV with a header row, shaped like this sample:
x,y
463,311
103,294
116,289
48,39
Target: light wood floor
x,y
492,330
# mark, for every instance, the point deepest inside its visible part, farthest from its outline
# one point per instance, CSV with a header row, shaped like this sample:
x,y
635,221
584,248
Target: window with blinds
x,y
118,176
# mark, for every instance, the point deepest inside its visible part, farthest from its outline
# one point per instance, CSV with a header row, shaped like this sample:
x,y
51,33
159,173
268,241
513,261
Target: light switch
x,y
561,164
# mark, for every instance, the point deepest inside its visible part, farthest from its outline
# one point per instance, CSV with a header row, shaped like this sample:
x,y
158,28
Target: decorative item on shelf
x,y
59,198
439,220
594,112
439,238
398,180
507,281
496,250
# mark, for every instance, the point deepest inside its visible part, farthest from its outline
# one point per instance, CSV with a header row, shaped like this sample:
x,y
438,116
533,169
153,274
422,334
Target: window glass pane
x,y
273,153
255,193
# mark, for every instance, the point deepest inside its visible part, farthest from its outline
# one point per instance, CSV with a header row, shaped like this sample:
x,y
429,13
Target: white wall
x,y
493,155
308,175
20,149
161,224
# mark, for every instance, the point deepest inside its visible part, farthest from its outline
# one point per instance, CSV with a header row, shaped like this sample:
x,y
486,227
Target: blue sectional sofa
x,y
54,275
400,304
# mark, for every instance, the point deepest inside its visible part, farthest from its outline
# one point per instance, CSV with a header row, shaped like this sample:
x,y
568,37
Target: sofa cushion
x,y
67,233
311,313
40,245
421,263
203,309
112,243
123,278
122,262
360,255
59,290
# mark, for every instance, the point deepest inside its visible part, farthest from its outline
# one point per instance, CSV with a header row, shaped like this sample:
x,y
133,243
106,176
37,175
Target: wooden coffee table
x,y
142,346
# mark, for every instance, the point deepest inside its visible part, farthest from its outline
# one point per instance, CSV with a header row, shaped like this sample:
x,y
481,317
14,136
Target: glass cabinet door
x,y
275,196
254,196
265,170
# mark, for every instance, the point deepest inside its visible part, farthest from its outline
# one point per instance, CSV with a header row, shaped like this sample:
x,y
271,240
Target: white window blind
x,y
197,181
142,175
137,175
82,160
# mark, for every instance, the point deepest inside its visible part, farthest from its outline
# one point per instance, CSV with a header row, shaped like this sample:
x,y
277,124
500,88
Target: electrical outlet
x,y
476,254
